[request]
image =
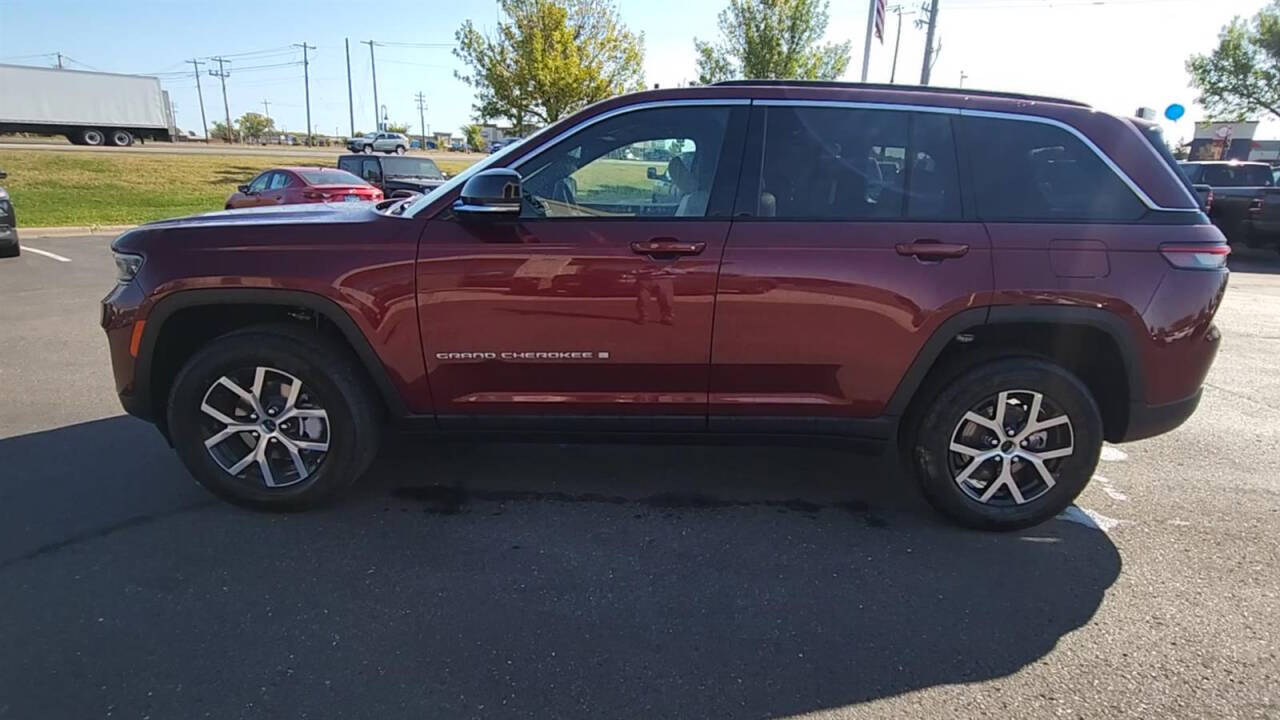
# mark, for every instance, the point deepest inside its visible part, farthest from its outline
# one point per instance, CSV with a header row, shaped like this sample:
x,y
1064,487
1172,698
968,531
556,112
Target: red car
x,y
987,284
293,185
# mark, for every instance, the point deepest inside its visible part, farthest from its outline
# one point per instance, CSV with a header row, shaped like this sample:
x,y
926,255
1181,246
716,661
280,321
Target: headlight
x,y
127,266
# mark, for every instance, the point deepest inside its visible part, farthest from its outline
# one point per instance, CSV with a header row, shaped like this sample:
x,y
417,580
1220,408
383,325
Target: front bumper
x,y
119,316
8,235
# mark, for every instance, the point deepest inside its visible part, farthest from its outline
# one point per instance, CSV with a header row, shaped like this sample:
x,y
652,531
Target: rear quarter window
x,y
1030,171
350,164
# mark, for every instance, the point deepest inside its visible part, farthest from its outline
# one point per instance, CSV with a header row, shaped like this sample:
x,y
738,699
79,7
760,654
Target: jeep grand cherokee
x,y
989,284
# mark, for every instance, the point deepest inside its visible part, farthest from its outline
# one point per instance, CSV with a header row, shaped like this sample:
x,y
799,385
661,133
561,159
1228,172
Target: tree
x,y
771,40
219,132
548,59
475,138
1241,77
254,125
402,128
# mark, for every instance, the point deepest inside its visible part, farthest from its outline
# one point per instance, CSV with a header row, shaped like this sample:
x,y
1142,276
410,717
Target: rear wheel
x,y
367,150
1008,444
274,418
400,150
91,136
120,138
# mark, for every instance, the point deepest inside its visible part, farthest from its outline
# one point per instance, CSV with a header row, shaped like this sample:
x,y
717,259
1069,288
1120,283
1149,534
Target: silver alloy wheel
x,y
120,138
92,137
274,433
1005,450
367,150
399,149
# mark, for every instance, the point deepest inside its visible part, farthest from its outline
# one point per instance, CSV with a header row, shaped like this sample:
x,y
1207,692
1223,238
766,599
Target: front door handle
x,y
666,248
932,250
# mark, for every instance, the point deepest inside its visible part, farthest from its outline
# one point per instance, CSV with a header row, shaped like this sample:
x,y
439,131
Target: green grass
x,y
52,188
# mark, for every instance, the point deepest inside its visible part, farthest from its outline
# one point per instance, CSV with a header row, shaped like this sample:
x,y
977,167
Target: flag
x,y
880,20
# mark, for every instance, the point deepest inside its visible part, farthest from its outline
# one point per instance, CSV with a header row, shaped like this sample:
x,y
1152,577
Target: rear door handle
x,y
666,247
932,249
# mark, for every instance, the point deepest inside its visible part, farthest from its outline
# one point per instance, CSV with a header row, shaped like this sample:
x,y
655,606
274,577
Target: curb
x,y
72,231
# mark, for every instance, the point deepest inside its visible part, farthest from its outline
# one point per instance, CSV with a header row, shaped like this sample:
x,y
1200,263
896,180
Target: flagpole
x,y
866,46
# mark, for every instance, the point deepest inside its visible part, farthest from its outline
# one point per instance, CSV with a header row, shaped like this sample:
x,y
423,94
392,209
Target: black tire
x,y
939,422
367,149
329,373
400,150
11,252
120,138
92,136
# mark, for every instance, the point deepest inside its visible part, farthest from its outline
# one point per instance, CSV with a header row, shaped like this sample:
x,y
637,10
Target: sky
x,y
1116,55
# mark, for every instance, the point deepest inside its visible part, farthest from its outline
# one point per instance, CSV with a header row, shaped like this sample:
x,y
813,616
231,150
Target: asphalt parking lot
x,y
511,580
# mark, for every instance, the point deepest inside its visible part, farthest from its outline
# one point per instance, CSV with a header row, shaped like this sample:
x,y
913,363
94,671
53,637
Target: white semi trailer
x,y
90,108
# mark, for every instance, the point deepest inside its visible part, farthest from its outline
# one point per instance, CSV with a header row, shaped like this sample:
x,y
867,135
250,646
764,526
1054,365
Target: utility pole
x,y
351,108
866,46
222,74
963,75
422,123
377,122
200,94
266,109
306,79
59,60
893,72
928,42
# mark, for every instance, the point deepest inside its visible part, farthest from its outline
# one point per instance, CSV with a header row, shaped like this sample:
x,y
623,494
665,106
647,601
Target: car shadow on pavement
x,y
504,579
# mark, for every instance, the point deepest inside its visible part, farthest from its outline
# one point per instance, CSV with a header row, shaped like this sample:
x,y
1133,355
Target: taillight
x,y
1196,256
314,196
1208,201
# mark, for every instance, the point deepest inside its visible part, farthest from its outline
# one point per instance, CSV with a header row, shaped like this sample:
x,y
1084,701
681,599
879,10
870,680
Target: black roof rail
x,y
897,88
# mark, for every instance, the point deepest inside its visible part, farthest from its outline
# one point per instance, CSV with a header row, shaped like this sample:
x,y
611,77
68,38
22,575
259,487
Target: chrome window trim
x,y
460,178
965,112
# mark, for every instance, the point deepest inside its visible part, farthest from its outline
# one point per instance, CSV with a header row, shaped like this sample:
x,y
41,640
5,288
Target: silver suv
x,y
382,142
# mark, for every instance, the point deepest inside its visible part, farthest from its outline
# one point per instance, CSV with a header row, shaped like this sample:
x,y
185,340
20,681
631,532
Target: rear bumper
x,y
1150,420
8,236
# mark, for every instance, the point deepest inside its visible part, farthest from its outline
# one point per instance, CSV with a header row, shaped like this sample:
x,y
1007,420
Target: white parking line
x,y
45,253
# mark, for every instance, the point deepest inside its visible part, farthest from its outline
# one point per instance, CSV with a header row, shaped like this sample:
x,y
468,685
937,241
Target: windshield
x,y
411,167
330,177
457,180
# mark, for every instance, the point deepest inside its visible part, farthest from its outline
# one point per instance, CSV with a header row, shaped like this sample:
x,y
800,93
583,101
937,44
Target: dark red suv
x,y
990,284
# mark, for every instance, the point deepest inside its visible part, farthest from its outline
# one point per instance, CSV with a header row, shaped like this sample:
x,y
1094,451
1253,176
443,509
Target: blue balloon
x,y
1174,111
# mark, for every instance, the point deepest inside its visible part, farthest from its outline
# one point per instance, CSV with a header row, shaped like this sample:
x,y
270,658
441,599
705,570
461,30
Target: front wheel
x,y
91,136
367,150
400,150
1008,444
274,418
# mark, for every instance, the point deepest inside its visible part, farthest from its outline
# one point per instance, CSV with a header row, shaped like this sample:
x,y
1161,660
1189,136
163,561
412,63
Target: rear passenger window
x,y
845,164
1032,171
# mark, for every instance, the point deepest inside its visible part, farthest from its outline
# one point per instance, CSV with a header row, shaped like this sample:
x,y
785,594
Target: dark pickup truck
x,y
1246,201
395,173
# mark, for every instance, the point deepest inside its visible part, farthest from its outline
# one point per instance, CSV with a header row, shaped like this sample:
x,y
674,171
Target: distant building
x,y
492,133
1232,141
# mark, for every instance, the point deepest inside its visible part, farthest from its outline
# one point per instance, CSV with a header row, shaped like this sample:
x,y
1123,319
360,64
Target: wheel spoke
x,y
1033,415
985,422
216,414
977,462
295,388
264,465
247,459
1054,454
310,445
1040,468
259,378
994,487
1002,401
227,432
966,450
1047,424
231,385
297,457
304,413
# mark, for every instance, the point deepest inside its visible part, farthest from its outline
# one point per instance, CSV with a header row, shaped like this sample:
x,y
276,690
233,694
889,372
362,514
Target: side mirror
x,y
243,188
489,193
651,173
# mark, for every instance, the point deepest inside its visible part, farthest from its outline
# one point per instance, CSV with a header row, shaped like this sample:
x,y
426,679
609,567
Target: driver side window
x,y
649,163
260,183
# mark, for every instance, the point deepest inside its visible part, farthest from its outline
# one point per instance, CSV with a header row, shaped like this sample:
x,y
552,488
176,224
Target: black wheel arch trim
x,y
184,299
988,316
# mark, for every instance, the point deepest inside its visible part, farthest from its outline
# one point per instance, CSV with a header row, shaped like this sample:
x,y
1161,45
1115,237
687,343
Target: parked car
x,y
9,246
395,174
1238,190
294,185
385,142
992,343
